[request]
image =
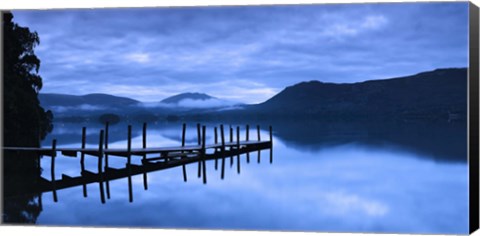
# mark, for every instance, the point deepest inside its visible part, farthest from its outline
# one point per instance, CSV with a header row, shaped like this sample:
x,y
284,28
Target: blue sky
x,y
245,54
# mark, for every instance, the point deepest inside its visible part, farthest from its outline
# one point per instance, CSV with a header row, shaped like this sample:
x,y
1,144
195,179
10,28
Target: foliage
x,y
25,121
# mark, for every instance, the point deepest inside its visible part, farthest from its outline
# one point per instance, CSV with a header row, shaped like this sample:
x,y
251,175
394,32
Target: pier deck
x,y
164,157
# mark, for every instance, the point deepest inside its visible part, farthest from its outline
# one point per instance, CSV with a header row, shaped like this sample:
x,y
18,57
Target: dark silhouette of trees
x,y
25,122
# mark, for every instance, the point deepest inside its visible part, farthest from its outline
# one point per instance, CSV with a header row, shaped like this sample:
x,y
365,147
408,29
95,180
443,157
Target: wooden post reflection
x,y
222,136
203,156
106,174
216,142
52,169
82,159
231,141
40,202
107,183
100,161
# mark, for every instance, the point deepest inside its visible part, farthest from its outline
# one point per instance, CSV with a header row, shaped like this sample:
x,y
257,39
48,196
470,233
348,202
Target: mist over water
x,y
363,180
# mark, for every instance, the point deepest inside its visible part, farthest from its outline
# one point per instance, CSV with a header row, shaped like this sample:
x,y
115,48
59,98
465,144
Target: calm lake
x,y
390,178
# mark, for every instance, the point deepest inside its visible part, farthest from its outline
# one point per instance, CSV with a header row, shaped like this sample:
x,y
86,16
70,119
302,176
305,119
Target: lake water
x,y
388,178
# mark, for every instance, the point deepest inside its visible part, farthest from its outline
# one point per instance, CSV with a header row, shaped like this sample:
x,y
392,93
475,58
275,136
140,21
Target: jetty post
x,y
247,131
216,142
199,138
203,155
238,149
259,139
199,135
82,158
144,157
184,130
271,144
100,161
129,163
129,145
106,174
231,141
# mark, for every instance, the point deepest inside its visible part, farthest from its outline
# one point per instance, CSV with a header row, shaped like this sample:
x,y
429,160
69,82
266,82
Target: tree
x,y
25,121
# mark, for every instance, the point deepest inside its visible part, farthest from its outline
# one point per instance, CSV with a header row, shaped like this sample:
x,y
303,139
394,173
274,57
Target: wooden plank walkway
x,y
73,152
109,174
168,157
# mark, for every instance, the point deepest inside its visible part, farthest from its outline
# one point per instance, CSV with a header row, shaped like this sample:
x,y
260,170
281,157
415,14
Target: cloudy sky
x,y
245,54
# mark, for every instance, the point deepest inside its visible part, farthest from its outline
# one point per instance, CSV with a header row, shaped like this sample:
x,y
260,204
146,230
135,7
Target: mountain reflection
x,y
441,141
319,169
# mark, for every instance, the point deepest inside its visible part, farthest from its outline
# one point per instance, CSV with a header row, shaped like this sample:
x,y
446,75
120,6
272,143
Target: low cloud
x,y
194,103
83,107
138,57
209,103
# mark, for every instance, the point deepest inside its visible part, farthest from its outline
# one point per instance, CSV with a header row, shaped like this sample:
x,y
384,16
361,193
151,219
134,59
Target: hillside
x,y
435,95
427,95
97,99
193,96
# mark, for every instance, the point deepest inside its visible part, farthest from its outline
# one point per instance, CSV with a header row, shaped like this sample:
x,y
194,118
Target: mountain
x,y
96,99
192,96
434,95
429,95
195,103
99,107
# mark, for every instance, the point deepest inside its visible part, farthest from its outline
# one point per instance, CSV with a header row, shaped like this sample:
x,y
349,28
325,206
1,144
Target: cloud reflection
x,y
343,188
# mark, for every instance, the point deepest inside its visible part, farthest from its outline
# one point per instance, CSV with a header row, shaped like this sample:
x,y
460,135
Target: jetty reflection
x,y
152,159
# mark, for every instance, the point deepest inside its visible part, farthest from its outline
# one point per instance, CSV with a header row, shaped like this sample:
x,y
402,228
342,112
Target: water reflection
x,y
441,141
326,191
152,159
386,178
20,173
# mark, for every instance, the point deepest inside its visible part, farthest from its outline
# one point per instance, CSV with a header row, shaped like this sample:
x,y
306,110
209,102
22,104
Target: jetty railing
x,y
165,158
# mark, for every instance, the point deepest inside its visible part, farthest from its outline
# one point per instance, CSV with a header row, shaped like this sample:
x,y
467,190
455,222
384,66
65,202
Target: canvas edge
x,y
473,116
473,141
1,114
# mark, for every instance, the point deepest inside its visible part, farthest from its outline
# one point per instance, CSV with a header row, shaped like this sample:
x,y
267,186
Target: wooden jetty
x,y
164,158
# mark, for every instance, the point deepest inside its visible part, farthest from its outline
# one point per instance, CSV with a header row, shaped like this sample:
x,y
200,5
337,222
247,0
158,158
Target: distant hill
x,y
441,93
435,95
195,103
96,99
193,96
75,108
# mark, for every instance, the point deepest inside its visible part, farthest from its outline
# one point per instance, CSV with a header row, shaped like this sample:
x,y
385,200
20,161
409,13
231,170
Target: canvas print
x,y
323,117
